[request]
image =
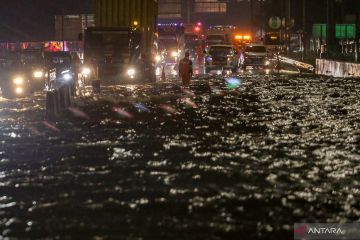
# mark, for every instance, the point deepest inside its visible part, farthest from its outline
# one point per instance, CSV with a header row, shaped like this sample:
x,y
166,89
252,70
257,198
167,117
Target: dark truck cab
x,y
15,79
61,70
113,55
34,63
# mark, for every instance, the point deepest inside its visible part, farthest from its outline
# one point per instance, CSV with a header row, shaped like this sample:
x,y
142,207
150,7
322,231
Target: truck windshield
x,y
58,60
221,51
255,49
191,38
103,44
168,43
9,61
31,58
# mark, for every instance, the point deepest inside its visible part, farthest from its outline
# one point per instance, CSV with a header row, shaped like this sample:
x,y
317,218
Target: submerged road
x,y
241,158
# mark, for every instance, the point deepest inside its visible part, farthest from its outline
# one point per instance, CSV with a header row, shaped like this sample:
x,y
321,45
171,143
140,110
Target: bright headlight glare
x,y
19,90
174,54
158,58
131,72
38,74
18,81
67,76
267,62
86,71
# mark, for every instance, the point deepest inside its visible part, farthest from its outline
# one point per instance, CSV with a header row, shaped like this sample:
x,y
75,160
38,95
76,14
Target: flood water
x,y
238,158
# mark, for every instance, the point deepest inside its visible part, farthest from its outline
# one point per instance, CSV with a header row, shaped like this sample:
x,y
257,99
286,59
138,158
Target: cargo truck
x,y
171,42
122,46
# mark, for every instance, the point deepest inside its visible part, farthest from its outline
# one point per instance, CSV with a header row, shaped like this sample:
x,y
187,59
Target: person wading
x,y
186,69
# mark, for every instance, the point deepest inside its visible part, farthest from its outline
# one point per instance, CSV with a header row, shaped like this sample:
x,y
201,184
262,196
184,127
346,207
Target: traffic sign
x,y
342,31
275,22
345,31
288,23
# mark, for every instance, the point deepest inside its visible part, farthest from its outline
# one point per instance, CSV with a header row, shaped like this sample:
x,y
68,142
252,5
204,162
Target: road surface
x,y
238,158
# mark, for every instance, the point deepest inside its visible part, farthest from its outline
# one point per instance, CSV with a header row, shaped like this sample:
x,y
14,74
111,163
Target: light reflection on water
x,y
275,151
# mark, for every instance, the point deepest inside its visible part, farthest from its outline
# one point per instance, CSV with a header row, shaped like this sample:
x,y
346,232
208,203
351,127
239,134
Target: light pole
x,y
331,39
287,24
357,31
304,45
252,16
188,11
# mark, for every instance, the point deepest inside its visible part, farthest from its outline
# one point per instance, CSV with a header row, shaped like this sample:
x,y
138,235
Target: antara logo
x,y
306,231
323,230
301,231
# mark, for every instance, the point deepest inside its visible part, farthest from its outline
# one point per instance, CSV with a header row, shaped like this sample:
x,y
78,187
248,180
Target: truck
x,y
219,35
273,42
194,43
121,47
171,42
254,55
222,57
15,78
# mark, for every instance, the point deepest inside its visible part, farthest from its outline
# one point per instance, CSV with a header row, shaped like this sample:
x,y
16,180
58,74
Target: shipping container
x,y
129,13
68,27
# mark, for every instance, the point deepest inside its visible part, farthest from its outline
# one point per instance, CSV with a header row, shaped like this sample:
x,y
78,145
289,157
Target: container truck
x,y
219,35
171,42
122,46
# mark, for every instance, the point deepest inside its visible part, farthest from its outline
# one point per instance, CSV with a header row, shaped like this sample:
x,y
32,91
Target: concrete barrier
x,y
68,95
51,109
57,100
337,69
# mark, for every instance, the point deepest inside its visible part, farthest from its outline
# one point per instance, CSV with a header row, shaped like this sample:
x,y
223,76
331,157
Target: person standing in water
x,y
186,69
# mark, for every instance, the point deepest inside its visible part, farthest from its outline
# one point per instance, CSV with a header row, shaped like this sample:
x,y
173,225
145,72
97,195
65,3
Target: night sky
x,y
33,20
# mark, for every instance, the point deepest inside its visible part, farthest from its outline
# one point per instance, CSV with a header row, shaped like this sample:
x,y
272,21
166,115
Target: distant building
x,y
229,12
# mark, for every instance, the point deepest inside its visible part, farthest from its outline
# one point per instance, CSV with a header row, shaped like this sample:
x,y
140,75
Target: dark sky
x,y
34,19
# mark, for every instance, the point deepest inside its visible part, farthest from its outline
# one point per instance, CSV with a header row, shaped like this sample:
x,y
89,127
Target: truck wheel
x,y
153,78
73,89
96,86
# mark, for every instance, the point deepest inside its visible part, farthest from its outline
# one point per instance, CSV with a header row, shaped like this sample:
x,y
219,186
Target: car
x,y
254,55
15,81
220,57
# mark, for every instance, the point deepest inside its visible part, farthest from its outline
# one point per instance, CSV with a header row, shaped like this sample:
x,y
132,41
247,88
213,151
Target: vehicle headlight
x,y
19,90
67,76
38,74
158,58
174,54
267,62
131,72
18,81
86,71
